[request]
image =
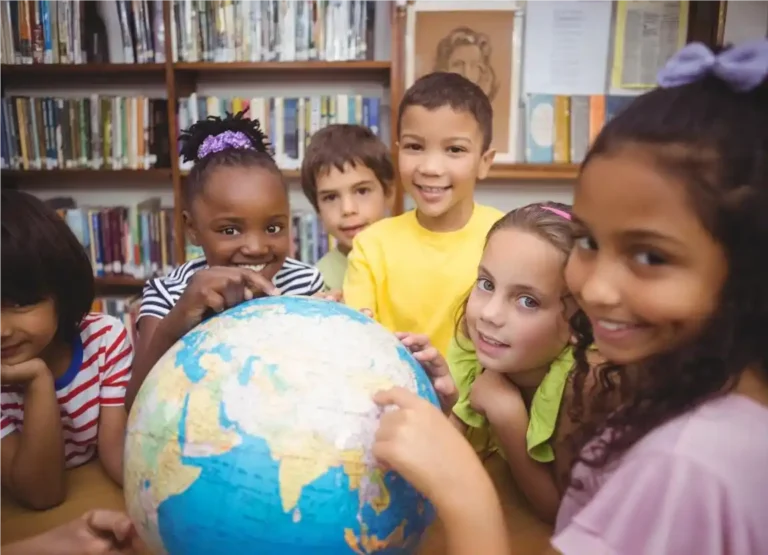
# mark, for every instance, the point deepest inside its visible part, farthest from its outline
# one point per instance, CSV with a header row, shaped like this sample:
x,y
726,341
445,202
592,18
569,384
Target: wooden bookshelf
x,y
351,66
533,172
180,78
157,178
11,71
119,282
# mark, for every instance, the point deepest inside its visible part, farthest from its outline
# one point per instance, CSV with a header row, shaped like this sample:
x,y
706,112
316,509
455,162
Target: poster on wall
x,y
483,42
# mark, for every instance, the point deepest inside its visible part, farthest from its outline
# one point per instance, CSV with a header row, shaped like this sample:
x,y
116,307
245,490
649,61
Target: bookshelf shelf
x,y
159,178
288,174
322,66
534,172
14,70
119,282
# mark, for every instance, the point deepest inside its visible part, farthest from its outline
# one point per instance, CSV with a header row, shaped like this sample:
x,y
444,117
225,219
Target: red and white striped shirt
x,y
97,377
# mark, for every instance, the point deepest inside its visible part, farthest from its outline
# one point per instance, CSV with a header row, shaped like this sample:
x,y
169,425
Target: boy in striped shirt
x,y
64,370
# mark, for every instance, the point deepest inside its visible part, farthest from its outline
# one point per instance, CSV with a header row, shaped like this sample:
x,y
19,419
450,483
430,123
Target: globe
x,y
253,434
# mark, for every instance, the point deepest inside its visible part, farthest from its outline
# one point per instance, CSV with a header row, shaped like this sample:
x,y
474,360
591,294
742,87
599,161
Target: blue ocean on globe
x,y
253,435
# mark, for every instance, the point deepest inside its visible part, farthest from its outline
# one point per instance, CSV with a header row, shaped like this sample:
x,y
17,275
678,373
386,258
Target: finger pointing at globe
x,y
262,418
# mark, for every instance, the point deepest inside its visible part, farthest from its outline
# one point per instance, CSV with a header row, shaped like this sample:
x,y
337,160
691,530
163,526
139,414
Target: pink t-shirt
x,y
696,485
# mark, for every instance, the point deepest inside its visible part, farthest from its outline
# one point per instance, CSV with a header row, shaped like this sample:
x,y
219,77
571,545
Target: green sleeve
x,y
464,367
546,407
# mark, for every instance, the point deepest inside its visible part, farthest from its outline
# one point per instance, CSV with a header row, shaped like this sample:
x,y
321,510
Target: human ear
x,y
189,228
486,161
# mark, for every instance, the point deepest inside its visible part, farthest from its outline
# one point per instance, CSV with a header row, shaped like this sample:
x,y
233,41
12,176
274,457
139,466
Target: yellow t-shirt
x,y
545,405
333,266
414,279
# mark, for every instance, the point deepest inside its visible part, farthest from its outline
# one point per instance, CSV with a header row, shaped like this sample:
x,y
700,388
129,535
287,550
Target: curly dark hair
x,y
716,141
536,218
193,137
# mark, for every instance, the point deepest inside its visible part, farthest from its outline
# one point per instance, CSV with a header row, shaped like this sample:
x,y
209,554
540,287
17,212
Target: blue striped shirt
x,y
162,293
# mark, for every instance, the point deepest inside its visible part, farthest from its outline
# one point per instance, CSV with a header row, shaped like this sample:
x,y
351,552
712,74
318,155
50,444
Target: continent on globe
x,y
255,431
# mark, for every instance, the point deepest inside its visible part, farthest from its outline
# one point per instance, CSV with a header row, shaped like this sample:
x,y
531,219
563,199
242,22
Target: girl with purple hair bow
x,y
670,274
236,208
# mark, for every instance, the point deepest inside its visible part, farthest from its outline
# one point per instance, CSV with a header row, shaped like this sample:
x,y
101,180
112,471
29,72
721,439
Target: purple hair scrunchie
x,y
224,141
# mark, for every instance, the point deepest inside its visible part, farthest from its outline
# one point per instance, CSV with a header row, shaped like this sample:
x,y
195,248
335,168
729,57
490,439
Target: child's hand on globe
x,y
331,295
216,289
419,443
98,532
434,365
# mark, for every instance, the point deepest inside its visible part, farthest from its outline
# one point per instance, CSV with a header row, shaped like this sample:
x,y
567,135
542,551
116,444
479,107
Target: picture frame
x,y
483,41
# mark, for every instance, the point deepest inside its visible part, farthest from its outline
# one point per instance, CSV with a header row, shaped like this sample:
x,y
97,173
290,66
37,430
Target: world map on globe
x,y
253,434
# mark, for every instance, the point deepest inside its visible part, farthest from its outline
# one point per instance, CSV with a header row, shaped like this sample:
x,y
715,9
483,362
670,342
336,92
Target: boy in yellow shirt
x,y
413,270
347,175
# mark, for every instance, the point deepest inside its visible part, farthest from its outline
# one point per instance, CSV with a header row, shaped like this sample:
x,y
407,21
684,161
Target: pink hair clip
x,y
561,213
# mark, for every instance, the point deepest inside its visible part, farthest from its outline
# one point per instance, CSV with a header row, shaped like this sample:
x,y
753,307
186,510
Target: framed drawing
x,y
483,43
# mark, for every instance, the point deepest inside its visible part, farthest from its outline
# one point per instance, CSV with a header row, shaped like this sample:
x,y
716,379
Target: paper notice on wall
x,y
647,34
566,47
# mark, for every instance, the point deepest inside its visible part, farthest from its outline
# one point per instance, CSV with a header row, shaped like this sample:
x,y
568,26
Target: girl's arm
x,y
421,444
116,374
500,401
33,457
533,478
155,337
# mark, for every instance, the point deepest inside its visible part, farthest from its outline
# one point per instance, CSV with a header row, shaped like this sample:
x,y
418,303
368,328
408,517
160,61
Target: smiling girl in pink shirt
x,y
670,270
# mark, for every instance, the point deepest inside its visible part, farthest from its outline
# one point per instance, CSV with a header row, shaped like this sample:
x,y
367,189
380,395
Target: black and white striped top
x,y
161,294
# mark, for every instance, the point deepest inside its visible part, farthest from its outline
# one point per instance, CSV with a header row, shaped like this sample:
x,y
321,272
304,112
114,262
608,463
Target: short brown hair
x,y
438,89
340,144
546,220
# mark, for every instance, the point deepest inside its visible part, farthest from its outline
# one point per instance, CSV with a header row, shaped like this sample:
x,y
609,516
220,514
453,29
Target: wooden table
x,y
89,487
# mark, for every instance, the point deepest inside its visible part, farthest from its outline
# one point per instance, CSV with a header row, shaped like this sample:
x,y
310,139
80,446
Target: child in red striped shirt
x,y
64,370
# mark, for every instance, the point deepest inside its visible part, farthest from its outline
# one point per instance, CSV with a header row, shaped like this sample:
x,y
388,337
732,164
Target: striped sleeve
x,y
297,278
154,300
161,294
115,371
7,426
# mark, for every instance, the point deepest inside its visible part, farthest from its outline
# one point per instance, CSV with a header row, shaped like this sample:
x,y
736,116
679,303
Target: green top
x,y
333,266
545,405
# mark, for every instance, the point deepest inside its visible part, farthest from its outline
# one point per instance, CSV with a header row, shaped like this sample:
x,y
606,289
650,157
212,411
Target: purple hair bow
x,y
222,141
742,67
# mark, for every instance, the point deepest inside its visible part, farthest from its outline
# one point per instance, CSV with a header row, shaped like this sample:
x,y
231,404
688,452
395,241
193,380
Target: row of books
x,y
288,122
559,129
272,30
125,308
94,132
79,32
136,241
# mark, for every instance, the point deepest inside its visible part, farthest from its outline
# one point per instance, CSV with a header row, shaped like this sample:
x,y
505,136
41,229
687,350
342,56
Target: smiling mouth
x,y
353,228
433,190
254,267
10,349
491,341
613,325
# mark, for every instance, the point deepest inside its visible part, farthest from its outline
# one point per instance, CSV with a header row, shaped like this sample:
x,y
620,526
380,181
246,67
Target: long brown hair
x,y
543,219
715,140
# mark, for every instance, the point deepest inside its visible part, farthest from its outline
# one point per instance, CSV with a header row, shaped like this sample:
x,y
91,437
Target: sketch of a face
x,y
467,60
467,52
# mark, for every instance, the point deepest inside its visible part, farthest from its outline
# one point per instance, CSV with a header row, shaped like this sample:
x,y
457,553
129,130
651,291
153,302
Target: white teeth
x,y
254,267
433,189
492,341
612,326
